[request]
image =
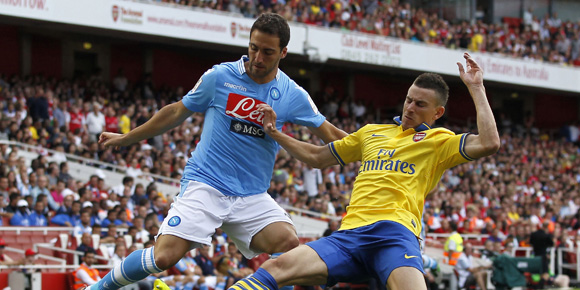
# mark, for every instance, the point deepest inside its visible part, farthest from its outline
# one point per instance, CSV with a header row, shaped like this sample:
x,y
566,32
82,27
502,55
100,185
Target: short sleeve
x,y
202,95
303,110
347,149
451,150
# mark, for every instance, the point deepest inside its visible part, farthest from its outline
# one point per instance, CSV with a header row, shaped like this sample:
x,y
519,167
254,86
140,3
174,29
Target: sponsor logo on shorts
x,y
174,221
246,129
409,257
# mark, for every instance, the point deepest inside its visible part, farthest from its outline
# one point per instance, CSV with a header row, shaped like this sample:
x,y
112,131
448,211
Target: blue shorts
x,y
371,251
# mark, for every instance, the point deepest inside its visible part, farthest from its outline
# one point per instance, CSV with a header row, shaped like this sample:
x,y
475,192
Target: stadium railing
x,y
572,258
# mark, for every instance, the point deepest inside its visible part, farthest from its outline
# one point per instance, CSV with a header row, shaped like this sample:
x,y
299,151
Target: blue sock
x,y
135,267
429,262
261,280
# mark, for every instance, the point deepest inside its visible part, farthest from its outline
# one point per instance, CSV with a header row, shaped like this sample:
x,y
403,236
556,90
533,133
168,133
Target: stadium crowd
x,y
533,178
533,37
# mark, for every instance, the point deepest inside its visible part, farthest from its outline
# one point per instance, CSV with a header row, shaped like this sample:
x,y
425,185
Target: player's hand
x,y
114,140
473,76
269,121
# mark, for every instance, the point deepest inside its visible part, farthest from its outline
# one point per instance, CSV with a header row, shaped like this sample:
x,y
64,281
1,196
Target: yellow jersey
x,y
398,169
125,124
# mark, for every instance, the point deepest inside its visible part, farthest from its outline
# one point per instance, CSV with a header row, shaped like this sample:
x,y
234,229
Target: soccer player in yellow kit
x,y
400,164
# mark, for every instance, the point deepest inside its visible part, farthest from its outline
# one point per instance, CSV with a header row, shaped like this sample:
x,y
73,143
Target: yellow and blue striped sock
x,y
261,280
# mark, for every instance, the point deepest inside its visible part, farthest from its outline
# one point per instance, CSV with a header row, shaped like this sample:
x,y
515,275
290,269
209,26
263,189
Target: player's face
x,y
264,54
421,106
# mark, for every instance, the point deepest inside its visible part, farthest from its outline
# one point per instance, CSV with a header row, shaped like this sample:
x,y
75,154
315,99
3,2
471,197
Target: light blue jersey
x,y
234,155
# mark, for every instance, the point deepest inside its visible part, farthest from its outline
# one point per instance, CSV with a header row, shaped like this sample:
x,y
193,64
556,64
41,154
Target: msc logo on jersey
x,y
174,221
419,136
247,129
275,93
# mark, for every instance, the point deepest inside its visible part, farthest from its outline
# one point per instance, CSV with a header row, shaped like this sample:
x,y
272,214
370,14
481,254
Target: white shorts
x,y
202,209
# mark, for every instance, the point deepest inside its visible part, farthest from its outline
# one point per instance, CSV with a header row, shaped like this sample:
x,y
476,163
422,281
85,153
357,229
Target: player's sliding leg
x,y
138,265
301,266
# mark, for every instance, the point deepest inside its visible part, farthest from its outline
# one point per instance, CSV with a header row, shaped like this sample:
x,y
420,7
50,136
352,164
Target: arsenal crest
x,y
115,13
419,136
233,29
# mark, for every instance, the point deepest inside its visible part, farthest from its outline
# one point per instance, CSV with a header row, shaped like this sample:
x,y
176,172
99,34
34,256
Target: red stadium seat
x,y
256,262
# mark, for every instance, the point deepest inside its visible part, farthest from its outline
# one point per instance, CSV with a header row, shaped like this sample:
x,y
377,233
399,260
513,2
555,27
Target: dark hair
x,y
434,82
89,251
275,25
453,225
127,179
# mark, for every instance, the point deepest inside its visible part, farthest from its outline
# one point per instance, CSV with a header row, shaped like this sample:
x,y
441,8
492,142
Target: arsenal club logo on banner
x,y
233,29
419,136
115,13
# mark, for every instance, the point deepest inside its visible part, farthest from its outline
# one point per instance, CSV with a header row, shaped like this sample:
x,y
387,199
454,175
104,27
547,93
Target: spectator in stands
x,y
95,122
85,226
64,175
119,254
142,234
12,206
541,241
190,274
468,273
86,244
111,235
333,226
488,252
42,188
204,261
37,217
232,266
85,275
22,215
111,218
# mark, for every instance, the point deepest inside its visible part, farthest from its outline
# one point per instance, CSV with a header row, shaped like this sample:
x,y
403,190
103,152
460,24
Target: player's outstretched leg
x,y
261,280
137,266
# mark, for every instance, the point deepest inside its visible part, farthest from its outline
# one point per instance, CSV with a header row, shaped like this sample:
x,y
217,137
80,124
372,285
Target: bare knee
x,y
165,258
275,238
274,265
287,244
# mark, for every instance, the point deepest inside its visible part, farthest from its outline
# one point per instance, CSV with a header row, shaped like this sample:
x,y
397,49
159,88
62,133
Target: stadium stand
x,y
536,38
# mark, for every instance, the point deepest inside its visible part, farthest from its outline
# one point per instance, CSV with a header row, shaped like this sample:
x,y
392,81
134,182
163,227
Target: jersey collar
x,y
422,127
242,67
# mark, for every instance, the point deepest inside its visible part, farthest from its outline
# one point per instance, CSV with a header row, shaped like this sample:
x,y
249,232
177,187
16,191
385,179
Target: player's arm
x,y
328,132
487,142
313,155
167,118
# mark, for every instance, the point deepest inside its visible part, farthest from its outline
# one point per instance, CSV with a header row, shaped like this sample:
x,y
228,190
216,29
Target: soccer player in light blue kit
x,y
226,179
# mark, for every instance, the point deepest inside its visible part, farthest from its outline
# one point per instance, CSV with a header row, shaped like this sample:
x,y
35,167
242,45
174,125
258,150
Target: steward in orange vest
x,y
85,275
